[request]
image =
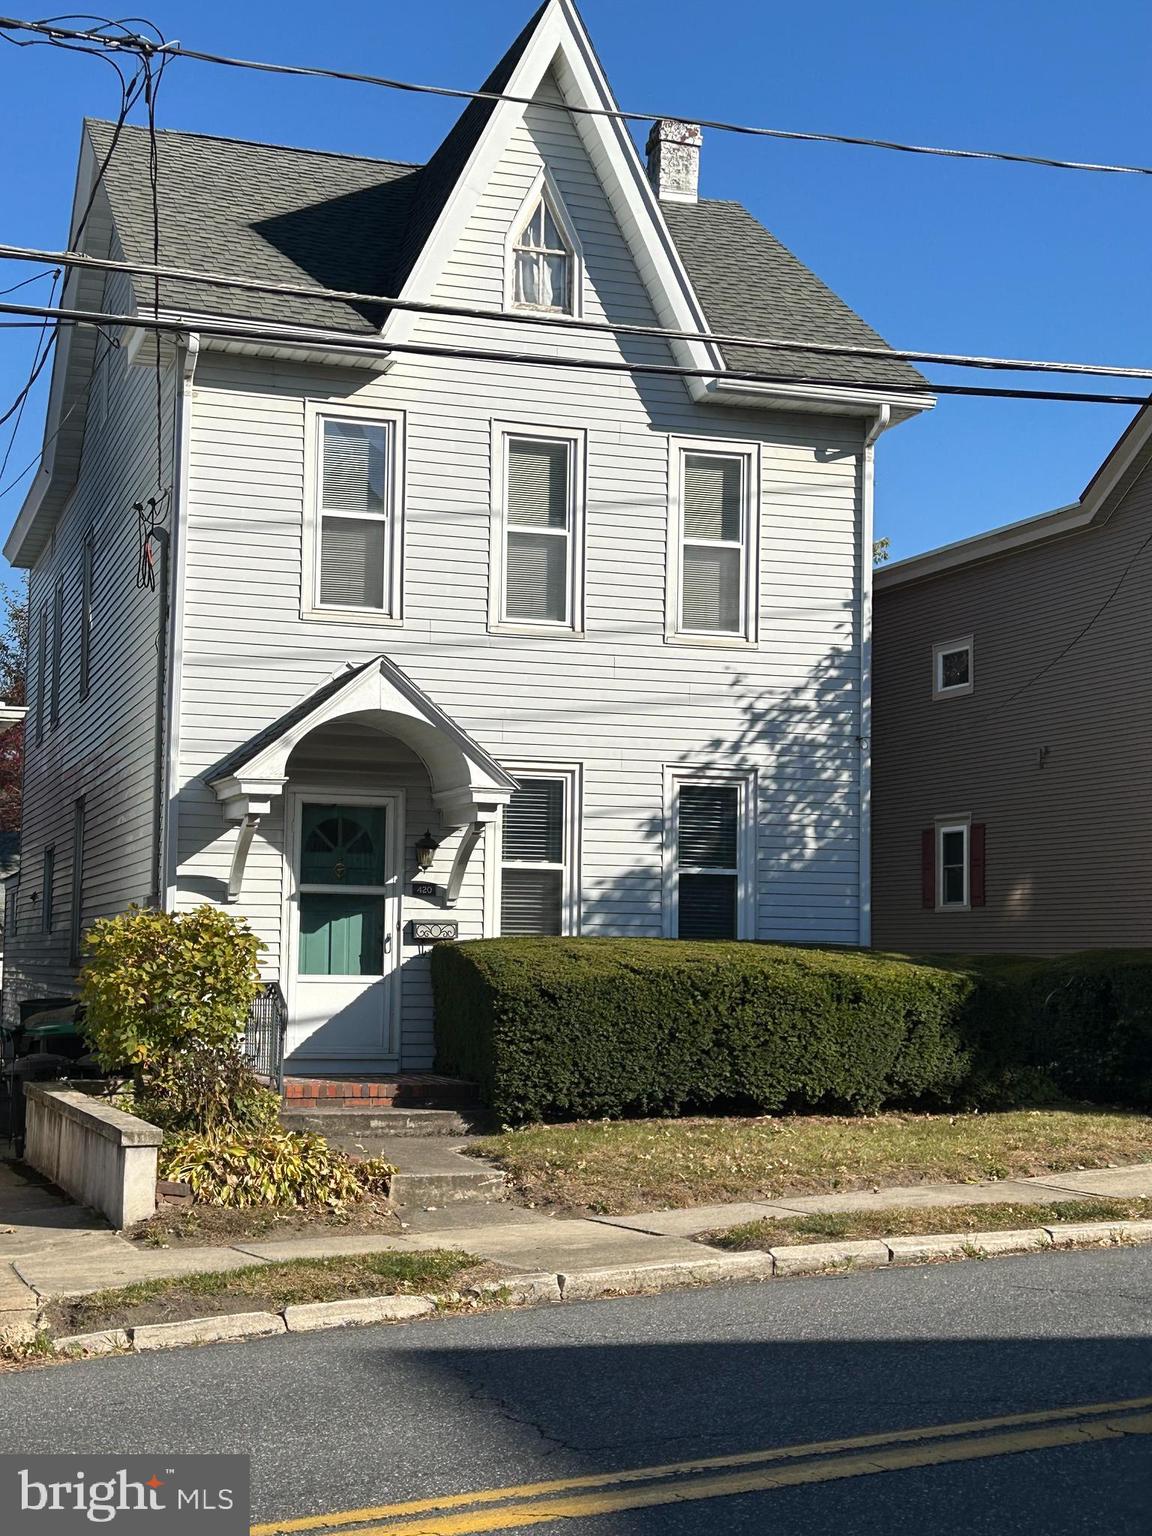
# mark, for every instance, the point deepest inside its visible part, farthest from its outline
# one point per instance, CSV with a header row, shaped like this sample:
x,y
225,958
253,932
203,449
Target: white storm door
x,y
343,933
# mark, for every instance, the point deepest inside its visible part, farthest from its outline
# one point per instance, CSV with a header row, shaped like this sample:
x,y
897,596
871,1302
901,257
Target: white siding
x,y
104,745
619,701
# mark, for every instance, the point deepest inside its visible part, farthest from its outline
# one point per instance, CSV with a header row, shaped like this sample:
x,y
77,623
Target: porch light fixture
x,y
426,850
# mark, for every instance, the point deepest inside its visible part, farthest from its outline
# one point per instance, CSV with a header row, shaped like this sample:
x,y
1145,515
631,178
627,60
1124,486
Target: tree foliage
x,y
13,690
159,982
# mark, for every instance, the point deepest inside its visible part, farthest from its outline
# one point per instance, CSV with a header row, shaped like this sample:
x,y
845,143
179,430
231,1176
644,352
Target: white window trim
x,y
577,442
543,186
316,412
954,824
939,652
678,448
747,784
572,776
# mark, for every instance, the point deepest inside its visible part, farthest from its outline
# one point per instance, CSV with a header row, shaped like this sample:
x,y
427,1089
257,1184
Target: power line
x,y
53,32
35,278
881,353
353,343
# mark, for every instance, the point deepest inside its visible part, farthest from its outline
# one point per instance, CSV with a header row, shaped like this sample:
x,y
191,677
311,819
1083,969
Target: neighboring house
x,y
1012,751
594,643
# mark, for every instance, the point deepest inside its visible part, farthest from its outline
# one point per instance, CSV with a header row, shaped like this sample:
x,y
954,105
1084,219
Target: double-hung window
x,y
538,531
710,856
42,673
537,854
76,904
356,542
713,554
953,864
87,570
57,652
48,892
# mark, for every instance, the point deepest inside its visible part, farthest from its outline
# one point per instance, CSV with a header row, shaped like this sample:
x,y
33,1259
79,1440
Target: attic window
x,y
542,262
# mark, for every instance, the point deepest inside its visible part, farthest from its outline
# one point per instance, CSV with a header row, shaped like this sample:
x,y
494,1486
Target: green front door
x,y
343,944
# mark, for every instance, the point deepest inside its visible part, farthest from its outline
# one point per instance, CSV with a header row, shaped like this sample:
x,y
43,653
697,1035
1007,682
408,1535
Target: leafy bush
x,y
573,1028
586,1028
154,982
204,1088
270,1167
1093,1024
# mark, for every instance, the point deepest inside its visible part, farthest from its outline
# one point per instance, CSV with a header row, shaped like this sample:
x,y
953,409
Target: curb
x,y
590,1284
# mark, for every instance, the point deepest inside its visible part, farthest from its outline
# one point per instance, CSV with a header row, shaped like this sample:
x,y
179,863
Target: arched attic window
x,y
544,266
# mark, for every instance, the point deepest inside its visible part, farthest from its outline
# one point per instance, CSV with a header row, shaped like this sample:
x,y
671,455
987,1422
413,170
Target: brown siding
x,y
1069,828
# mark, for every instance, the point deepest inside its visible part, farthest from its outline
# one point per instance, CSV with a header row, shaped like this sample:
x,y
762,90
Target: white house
x,y
313,578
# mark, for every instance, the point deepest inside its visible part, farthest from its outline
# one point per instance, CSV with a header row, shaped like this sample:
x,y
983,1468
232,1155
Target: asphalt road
x,y
359,1419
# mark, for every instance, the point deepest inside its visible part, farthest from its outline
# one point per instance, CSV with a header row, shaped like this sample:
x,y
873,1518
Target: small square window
x,y
952,668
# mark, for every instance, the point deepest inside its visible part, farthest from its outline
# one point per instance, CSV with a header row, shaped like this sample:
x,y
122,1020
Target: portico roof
x,y
468,784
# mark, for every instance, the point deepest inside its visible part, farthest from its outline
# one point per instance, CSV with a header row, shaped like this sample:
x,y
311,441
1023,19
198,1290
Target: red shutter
x,y
976,864
928,868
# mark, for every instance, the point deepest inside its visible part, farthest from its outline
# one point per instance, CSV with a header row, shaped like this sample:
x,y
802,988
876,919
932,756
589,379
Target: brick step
x,y
404,1090
352,1127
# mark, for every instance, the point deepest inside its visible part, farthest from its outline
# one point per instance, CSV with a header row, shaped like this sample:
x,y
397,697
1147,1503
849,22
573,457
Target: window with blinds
x,y
354,514
713,544
707,860
534,861
538,556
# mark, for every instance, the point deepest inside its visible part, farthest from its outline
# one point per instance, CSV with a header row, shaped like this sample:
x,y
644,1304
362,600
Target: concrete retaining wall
x,y
98,1155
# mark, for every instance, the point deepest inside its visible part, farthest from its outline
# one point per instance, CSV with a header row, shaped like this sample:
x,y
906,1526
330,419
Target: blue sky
x,y
939,255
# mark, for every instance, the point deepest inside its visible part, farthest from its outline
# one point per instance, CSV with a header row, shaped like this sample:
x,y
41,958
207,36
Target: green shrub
x,y
579,1028
270,1167
153,982
585,1028
204,1088
1093,1014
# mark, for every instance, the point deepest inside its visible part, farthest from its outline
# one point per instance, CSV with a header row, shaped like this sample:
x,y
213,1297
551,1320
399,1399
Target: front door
x,y
342,933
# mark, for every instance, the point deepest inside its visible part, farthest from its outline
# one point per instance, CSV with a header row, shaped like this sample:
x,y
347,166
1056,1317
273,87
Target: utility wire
x,y
35,278
54,32
353,343
1080,633
566,322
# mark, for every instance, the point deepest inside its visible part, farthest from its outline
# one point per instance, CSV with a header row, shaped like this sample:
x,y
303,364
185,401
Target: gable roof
x,y
751,284
261,211
1128,459
324,220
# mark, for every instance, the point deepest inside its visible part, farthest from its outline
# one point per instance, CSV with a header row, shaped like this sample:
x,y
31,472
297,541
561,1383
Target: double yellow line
x,y
715,1477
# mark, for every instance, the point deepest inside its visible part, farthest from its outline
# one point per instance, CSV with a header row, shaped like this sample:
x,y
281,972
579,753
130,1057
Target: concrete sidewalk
x,y
49,1248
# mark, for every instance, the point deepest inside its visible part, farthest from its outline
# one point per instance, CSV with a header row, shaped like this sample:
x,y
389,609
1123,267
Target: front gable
x,y
592,163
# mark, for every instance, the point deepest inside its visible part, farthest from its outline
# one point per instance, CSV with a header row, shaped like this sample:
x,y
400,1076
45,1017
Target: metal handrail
x,y
265,1033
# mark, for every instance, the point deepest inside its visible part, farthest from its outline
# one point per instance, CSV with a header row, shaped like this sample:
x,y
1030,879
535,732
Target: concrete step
x,y
369,1123
432,1172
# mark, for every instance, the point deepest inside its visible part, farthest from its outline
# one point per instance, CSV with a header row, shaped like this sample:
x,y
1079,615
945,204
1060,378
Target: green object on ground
x,y
557,1029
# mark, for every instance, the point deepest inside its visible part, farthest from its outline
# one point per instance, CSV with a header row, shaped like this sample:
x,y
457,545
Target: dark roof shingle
x,y
751,285
323,220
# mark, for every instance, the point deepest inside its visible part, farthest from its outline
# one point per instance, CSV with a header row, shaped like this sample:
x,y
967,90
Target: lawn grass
x,y
613,1167
904,1221
265,1288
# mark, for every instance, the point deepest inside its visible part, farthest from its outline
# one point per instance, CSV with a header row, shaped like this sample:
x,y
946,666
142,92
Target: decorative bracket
x,y
460,862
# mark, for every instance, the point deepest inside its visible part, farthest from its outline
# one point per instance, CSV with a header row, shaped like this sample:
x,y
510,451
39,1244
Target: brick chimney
x,y
673,151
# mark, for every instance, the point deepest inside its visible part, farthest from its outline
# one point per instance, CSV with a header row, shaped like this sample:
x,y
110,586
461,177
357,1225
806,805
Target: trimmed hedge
x,y
590,1028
